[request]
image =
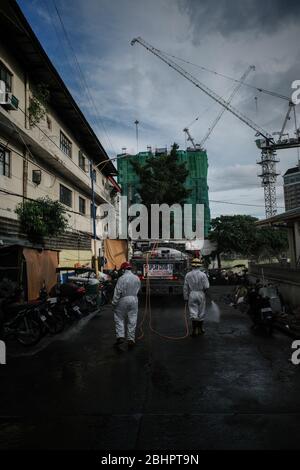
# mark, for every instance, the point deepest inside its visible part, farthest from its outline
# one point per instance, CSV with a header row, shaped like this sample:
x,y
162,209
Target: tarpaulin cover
x,y
40,266
115,251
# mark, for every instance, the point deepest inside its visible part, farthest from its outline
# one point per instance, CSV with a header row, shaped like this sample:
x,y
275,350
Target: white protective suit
x,y
125,302
195,283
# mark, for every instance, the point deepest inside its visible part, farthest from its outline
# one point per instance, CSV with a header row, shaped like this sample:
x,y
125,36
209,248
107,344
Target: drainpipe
x,y
25,152
25,172
92,175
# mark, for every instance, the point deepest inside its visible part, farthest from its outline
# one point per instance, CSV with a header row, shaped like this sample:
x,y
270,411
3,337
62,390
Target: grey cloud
x,y
231,16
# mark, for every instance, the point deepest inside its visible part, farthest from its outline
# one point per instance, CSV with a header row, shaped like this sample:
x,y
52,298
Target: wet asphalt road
x,y
227,390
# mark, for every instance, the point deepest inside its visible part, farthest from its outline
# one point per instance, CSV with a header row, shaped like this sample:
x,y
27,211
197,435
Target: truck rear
x,y
164,269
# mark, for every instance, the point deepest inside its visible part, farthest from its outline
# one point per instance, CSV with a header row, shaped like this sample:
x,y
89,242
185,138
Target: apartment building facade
x,y
291,188
51,156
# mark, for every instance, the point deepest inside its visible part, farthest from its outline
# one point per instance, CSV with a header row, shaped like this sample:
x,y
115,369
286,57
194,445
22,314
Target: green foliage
x,y
162,179
271,242
239,234
38,104
42,218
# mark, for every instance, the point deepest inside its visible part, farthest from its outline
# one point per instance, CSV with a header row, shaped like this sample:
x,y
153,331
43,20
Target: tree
x,y
239,234
162,179
272,242
42,217
162,182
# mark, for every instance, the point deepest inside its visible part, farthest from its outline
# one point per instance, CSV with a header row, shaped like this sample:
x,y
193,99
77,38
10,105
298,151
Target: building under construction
x,y
196,163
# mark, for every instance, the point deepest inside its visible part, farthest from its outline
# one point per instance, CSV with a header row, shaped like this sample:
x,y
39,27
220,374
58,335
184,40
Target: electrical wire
x,y
82,76
124,156
9,193
30,153
261,90
240,204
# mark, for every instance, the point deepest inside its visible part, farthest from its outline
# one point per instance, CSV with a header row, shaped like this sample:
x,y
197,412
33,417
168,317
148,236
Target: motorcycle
x,y
260,310
50,321
106,292
68,301
19,321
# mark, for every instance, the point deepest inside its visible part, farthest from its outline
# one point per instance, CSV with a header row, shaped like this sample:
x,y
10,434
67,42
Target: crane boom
x,y
220,114
189,137
204,88
287,117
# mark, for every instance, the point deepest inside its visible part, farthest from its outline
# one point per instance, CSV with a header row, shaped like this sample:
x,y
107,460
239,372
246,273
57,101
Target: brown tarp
x,y
40,266
115,251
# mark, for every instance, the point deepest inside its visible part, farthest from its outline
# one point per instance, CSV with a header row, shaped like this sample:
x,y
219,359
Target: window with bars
x,y
82,161
6,76
65,144
65,196
81,205
5,158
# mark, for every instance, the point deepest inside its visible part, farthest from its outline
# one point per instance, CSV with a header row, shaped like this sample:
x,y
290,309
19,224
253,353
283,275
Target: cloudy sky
x,y
128,83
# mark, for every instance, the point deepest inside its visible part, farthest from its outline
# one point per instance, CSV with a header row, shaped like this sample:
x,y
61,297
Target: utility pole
x,y
136,122
93,174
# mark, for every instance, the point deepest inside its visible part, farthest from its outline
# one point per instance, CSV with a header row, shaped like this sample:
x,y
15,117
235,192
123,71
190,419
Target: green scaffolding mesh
x,y
197,165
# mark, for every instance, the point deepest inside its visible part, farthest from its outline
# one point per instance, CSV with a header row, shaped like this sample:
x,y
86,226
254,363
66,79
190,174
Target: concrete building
x,y
286,276
291,187
50,157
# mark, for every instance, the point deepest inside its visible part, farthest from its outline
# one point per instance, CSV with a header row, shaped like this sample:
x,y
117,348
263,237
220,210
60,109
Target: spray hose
x,y
148,312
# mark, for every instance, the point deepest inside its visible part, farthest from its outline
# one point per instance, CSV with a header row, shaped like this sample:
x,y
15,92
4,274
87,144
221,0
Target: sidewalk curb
x,y
66,334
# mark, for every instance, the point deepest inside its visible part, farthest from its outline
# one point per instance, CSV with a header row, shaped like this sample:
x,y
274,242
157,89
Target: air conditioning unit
x,y
10,102
36,176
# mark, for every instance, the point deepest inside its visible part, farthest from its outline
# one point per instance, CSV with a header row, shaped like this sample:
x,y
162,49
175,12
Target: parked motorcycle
x,y
19,321
50,320
67,301
106,292
260,309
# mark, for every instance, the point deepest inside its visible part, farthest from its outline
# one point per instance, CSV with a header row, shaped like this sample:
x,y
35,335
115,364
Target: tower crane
x,y
222,111
220,114
266,143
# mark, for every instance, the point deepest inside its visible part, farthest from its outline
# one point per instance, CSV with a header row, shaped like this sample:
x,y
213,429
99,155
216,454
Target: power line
x,y
239,204
33,159
82,76
261,90
120,156
52,141
9,193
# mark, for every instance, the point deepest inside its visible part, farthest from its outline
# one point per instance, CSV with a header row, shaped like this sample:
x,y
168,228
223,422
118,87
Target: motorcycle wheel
x,y
103,299
28,331
55,324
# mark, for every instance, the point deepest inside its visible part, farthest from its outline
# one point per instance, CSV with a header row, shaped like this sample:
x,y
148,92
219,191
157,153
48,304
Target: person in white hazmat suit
x,y
194,292
125,303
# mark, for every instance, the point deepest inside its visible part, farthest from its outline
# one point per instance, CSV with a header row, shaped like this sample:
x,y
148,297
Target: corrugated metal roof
x,y
291,215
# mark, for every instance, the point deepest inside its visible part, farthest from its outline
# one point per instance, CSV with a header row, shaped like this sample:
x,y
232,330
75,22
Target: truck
x,y
164,268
